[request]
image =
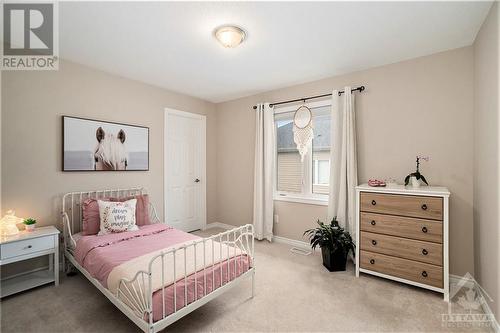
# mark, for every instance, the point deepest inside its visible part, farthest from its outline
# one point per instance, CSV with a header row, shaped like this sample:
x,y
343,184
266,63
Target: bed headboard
x,y
72,218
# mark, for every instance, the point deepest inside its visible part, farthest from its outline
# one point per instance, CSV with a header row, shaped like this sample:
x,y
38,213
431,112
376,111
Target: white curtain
x,y
343,165
263,204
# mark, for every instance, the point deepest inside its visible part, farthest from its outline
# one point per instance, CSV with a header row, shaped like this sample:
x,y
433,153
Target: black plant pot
x,y
334,261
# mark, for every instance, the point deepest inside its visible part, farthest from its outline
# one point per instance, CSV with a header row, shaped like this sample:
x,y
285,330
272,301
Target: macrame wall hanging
x,y
303,130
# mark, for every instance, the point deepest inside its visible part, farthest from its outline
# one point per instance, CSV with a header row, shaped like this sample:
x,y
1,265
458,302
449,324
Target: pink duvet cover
x,y
100,254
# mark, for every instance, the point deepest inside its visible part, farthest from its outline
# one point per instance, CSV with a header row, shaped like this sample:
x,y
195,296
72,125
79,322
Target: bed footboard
x,y
189,275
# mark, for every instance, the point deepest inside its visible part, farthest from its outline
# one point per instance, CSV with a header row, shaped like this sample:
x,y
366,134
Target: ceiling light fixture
x,y
230,35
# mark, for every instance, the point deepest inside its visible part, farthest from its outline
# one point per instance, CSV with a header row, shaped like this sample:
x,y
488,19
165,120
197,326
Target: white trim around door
x,y
201,178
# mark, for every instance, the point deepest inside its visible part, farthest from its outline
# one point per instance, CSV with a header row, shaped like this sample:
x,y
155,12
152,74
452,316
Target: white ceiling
x,y
171,44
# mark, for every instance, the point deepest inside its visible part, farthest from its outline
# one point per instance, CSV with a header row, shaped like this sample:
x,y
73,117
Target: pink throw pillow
x,y
92,221
91,218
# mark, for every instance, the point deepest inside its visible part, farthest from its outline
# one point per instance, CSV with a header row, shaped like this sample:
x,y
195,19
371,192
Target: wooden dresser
x,y
402,235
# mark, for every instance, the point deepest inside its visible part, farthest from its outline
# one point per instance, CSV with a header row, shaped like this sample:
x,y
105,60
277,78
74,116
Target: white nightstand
x,y
26,245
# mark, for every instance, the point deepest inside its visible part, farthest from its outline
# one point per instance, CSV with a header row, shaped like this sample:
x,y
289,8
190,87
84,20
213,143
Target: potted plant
x,y
29,224
335,244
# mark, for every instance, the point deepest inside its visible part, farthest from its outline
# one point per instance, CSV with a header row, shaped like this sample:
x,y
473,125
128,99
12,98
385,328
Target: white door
x,y
185,180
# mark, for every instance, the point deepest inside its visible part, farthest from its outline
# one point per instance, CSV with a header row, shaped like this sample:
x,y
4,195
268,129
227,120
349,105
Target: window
x,y
307,180
321,174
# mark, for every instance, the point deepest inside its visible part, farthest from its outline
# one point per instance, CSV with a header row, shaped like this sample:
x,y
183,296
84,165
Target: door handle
x,y
196,180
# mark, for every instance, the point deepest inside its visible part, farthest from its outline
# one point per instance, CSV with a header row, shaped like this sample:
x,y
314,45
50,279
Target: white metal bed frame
x,y
134,297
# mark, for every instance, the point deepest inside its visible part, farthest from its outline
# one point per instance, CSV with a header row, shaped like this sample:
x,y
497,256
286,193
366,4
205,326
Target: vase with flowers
x,y
416,176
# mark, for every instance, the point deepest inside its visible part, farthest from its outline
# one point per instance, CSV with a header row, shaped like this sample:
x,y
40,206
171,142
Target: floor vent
x,y
303,252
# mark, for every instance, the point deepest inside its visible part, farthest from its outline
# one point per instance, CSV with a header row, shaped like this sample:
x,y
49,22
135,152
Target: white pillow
x,y
117,216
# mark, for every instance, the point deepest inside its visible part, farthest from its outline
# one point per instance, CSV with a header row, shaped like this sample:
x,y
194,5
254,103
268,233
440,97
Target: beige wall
x,y
421,106
1,211
33,103
487,157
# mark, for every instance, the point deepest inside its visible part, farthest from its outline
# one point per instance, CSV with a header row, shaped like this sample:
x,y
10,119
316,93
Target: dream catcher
x,y
302,130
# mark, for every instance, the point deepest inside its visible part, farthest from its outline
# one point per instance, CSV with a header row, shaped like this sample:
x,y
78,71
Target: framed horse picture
x,y
94,145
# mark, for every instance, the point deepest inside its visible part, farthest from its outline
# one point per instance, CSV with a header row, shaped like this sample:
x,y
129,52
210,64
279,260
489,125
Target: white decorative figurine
x,y
8,224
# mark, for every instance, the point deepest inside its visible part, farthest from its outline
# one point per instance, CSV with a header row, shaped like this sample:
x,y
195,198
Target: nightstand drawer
x,y
27,246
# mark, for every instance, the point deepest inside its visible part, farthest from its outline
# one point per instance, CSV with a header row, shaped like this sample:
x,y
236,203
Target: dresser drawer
x,y
27,246
403,268
408,227
404,205
431,253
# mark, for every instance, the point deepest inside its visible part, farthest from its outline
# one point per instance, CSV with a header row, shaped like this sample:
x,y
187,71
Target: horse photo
x,y
110,153
92,145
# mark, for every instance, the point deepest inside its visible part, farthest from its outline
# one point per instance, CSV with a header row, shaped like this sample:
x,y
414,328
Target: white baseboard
x,y
219,225
43,268
487,310
291,242
472,283
277,239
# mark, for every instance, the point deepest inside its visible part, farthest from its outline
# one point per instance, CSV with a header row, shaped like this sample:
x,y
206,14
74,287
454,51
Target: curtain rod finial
x,y
255,107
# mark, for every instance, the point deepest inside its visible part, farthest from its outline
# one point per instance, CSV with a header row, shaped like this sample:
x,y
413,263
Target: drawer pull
x,y
374,202
28,247
372,261
373,222
425,252
374,242
424,230
424,274
424,207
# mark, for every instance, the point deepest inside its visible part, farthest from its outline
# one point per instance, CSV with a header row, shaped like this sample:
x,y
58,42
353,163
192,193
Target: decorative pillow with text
x,y
117,216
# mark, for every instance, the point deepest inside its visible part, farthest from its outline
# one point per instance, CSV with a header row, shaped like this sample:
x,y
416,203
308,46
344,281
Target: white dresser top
x,y
38,232
401,189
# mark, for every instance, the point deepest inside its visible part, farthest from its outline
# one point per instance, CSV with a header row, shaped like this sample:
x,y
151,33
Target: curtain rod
x,y
360,89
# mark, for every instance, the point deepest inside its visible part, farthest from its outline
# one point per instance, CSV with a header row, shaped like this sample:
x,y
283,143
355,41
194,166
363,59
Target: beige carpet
x,y
293,293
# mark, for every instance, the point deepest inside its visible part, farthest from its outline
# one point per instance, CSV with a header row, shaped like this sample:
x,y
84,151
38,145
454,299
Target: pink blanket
x,y
100,254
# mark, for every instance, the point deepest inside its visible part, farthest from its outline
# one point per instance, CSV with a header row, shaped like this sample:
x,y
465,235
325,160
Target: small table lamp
x,y
8,224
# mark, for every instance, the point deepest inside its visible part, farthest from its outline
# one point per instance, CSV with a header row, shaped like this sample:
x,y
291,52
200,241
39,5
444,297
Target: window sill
x,y
302,200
